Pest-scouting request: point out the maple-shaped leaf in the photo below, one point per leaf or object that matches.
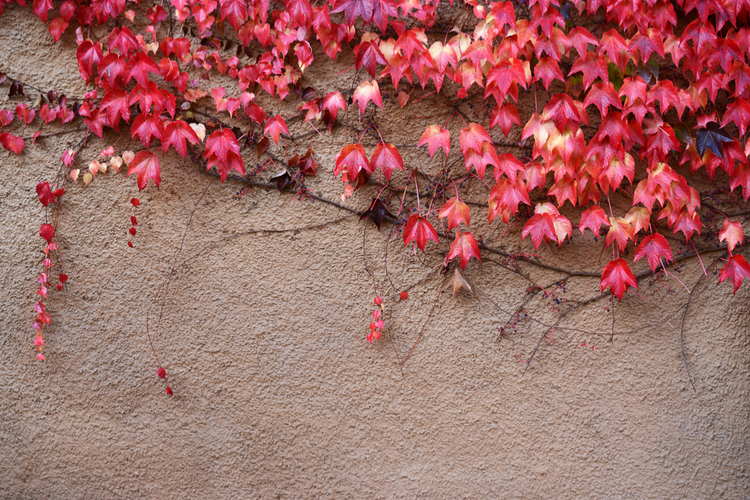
(457, 281)
(146, 127)
(366, 92)
(504, 117)
(540, 227)
(11, 142)
(436, 137)
(368, 54)
(593, 219)
(602, 95)
(387, 157)
(738, 112)
(443, 56)
(736, 269)
(223, 150)
(473, 137)
(123, 40)
(88, 54)
(332, 103)
(146, 166)
(177, 133)
(579, 37)
(621, 231)
(654, 247)
(592, 66)
(46, 195)
(546, 70)
(562, 109)
(618, 277)
(57, 27)
(116, 104)
(138, 68)
(732, 233)
(712, 138)
(456, 211)
(419, 230)
(377, 212)
(505, 197)
(464, 247)
(274, 127)
(352, 159)
(235, 10)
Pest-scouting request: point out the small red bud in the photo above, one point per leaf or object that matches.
(132, 231)
(63, 278)
(169, 391)
(161, 372)
(135, 202)
(59, 287)
(130, 244)
(404, 295)
(378, 301)
(133, 220)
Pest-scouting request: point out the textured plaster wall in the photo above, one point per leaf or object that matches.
(276, 392)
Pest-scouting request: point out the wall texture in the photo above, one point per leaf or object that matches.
(277, 394)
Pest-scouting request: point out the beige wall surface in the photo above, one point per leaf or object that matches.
(277, 393)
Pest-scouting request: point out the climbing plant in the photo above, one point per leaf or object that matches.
(639, 99)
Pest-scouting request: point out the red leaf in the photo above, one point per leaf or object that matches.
(387, 157)
(618, 277)
(161, 372)
(6, 117)
(235, 10)
(332, 103)
(11, 142)
(602, 95)
(731, 232)
(44, 193)
(366, 92)
(593, 219)
(473, 137)
(620, 230)
(146, 166)
(140, 66)
(353, 159)
(41, 7)
(435, 137)
(223, 150)
(57, 27)
(456, 211)
(123, 40)
(504, 117)
(146, 127)
(368, 54)
(274, 127)
(177, 133)
(736, 269)
(47, 232)
(464, 247)
(420, 230)
(88, 54)
(546, 70)
(654, 247)
(540, 227)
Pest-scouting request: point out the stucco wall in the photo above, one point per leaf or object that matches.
(277, 394)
